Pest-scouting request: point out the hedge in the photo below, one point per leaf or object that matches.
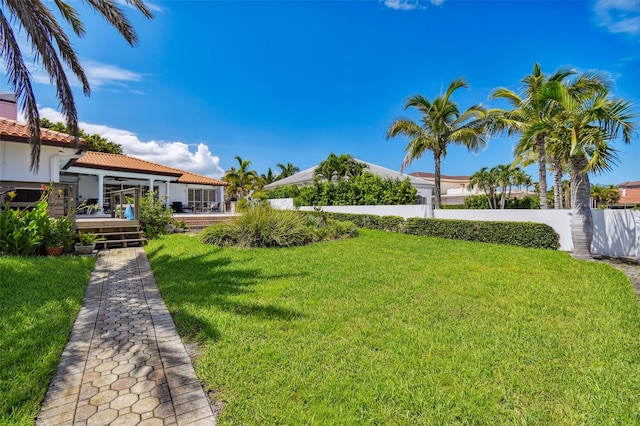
(521, 234)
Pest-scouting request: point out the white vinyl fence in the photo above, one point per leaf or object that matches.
(615, 232)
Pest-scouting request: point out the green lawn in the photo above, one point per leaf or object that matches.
(39, 300)
(398, 329)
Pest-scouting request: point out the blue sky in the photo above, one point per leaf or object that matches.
(292, 81)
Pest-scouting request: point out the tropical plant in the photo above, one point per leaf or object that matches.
(266, 179)
(54, 52)
(336, 167)
(88, 238)
(604, 195)
(58, 232)
(241, 180)
(593, 119)
(498, 182)
(529, 109)
(286, 170)
(262, 226)
(441, 124)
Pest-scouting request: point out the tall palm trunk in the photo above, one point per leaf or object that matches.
(438, 198)
(542, 172)
(557, 184)
(581, 220)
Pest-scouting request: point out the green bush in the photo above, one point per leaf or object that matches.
(154, 215)
(263, 226)
(22, 231)
(370, 221)
(522, 234)
(284, 191)
(476, 202)
(360, 190)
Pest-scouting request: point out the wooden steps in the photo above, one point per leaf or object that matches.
(116, 232)
(198, 222)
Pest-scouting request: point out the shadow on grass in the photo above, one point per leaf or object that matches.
(211, 280)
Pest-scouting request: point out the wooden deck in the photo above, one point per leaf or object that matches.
(116, 232)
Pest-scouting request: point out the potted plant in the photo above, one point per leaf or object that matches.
(58, 234)
(181, 226)
(86, 242)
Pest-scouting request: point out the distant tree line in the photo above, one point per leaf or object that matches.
(95, 141)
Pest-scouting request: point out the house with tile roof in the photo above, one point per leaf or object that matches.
(629, 193)
(80, 174)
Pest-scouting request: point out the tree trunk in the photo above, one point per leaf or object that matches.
(542, 172)
(581, 221)
(557, 184)
(438, 198)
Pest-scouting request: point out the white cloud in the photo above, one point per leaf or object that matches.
(103, 74)
(409, 4)
(618, 16)
(173, 154)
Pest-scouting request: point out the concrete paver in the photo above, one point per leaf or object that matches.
(124, 363)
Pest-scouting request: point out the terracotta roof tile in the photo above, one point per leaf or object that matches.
(629, 196)
(188, 177)
(102, 160)
(105, 161)
(15, 131)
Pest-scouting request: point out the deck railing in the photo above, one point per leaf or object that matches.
(118, 202)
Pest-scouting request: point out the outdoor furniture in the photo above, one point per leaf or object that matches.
(177, 207)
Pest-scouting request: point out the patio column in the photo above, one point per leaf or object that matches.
(221, 196)
(167, 193)
(151, 185)
(101, 193)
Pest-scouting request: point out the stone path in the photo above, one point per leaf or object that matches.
(124, 363)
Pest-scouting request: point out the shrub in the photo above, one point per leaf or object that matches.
(359, 190)
(263, 226)
(481, 202)
(284, 191)
(370, 221)
(522, 234)
(154, 215)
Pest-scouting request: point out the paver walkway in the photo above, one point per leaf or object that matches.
(124, 363)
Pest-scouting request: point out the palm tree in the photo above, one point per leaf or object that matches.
(266, 179)
(335, 167)
(441, 124)
(530, 108)
(241, 180)
(286, 170)
(592, 119)
(53, 50)
(485, 180)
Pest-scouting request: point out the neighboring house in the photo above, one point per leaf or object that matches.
(453, 189)
(629, 192)
(79, 175)
(306, 177)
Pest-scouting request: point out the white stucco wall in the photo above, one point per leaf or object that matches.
(414, 210)
(615, 233)
(15, 157)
